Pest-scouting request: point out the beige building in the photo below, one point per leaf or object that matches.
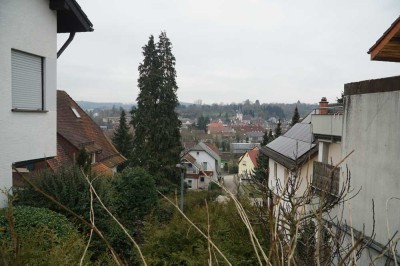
(247, 163)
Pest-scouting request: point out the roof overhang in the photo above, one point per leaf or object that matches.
(70, 17)
(387, 47)
(286, 161)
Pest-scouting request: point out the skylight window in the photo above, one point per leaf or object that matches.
(75, 112)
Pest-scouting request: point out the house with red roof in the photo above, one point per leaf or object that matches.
(77, 131)
(247, 163)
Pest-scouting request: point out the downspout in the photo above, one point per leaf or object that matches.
(69, 40)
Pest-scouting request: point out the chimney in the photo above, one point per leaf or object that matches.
(323, 106)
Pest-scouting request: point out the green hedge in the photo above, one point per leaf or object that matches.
(27, 218)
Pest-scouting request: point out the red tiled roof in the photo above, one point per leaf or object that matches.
(248, 128)
(83, 132)
(215, 127)
(253, 154)
(101, 170)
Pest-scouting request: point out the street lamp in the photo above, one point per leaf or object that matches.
(183, 169)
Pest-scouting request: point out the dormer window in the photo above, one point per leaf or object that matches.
(75, 112)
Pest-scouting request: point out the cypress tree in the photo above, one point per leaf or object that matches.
(122, 139)
(266, 139)
(156, 144)
(270, 135)
(168, 123)
(278, 129)
(260, 172)
(296, 117)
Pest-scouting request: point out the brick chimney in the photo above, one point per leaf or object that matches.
(323, 106)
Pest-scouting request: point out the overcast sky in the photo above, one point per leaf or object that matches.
(230, 50)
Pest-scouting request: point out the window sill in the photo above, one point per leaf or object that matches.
(28, 110)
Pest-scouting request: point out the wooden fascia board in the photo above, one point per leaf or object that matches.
(374, 51)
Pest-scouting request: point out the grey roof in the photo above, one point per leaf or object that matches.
(201, 146)
(300, 131)
(292, 146)
(243, 147)
(307, 119)
(255, 134)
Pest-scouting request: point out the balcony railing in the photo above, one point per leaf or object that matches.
(329, 125)
(325, 179)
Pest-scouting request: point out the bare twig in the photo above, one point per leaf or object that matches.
(91, 214)
(116, 220)
(208, 235)
(115, 256)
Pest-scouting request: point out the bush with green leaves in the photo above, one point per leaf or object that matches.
(176, 242)
(26, 218)
(38, 236)
(67, 185)
(135, 195)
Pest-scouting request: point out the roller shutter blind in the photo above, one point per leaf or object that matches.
(27, 81)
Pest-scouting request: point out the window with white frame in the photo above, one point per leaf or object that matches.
(26, 81)
(204, 166)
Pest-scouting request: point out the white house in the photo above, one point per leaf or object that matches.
(292, 154)
(247, 163)
(202, 164)
(28, 78)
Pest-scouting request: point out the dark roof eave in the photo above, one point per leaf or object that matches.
(286, 161)
(70, 17)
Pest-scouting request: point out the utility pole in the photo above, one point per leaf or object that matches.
(182, 169)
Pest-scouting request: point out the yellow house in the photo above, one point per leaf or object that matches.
(247, 163)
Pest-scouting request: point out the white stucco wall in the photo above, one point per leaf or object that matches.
(201, 157)
(329, 152)
(246, 166)
(305, 172)
(371, 129)
(29, 26)
(197, 183)
(334, 153)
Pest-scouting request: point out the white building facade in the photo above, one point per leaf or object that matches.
(28, 82)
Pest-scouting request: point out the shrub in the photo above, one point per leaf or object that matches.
(135, 194)
(26, 218)
(68, 186)
(40, 237)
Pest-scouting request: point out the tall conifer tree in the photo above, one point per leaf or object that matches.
(260, 172)
(157, 137)
(270, 135)
(278, 129)
(122, 138)
(296, 117)
(266, 139)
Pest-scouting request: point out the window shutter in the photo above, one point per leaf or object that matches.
(27, 82)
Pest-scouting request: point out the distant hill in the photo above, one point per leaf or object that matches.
(188, 110)
(86, 105)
